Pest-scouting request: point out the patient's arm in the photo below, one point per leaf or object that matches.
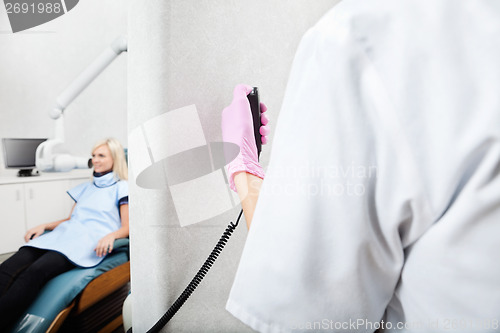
(40, 229)
(248, 187)
(105, 244)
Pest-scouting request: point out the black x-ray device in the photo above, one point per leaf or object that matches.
(253, 99)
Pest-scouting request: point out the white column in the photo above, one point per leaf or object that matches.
(194, 52)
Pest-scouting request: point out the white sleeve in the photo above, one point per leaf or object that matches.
(325, 246)
(122, 191)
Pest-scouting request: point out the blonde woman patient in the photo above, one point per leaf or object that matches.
(98, 217)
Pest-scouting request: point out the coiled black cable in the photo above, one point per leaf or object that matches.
(198, 277)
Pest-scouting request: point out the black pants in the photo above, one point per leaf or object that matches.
(22, 276)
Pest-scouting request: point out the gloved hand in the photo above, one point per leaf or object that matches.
(237, 127)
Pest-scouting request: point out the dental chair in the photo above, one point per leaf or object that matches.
(82, 299)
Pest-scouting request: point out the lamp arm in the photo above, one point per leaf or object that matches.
(46, 159)
(118, 46)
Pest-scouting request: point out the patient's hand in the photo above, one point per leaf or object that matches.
(105, 245)
(34, 232)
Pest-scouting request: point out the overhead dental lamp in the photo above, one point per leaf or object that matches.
(47, 159)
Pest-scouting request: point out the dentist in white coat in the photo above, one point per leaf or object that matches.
(381, 202)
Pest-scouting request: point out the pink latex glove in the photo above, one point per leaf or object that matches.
(237, 127)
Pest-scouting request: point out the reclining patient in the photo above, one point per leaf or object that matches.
(99, 216)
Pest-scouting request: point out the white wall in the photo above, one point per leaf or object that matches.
(37, 65)
(195, 52)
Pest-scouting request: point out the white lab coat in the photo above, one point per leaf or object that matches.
(382, 195)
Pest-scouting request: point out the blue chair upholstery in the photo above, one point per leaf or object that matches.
(60, 292)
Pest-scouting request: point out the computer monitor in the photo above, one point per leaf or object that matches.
(20, 154)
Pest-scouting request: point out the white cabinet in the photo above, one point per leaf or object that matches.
(12, 217)
(47, 202)
(26, 203)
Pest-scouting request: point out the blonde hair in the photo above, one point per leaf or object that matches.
(120, 168)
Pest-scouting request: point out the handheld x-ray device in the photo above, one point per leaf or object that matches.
(253, 99)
